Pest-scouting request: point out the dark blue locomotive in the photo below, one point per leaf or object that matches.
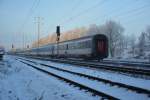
(1, 52)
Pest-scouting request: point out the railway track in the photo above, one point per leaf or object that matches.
(104, 81)
(71, 82)
(129, 63)
(119, 62)
(138, 72)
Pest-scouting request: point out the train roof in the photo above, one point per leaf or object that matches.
(84, 37)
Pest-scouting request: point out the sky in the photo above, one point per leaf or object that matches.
(18, 18)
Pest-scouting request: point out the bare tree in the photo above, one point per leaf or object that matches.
(132, 43)
(114, 32)
(148, 32)
(120, 46)
(141, 44)
(148, 40)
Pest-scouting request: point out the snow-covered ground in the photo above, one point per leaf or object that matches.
(138, 82)
(20, 82)
(120, 93)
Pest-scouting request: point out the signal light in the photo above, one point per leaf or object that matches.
(58, 30)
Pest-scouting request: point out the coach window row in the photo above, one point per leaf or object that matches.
(62, 47)
(80, 45)
(76, 45)
(85, 44)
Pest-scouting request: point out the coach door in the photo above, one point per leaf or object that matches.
(66, 49)
(101, 47)
(52, 49)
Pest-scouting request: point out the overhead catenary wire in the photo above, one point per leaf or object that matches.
(83, 12)
(114, 10)
(133, 10)
(122, 14)
(137, 13)
(79, 14)
(62, 24)
(73, 8)
(76, 5)
(87, 10)
(30, 12)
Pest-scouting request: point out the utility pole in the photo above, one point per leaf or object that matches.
(38, 21)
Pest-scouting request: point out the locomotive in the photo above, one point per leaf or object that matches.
(89, 47)
(1, 52)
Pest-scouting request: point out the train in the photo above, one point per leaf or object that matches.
(88, 47)
(2, 51)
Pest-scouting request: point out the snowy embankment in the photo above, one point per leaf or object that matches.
(21, 82)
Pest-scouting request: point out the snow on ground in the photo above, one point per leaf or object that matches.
(120, 93)
(21, 82)
(138, 82)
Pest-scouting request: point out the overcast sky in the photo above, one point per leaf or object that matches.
(18, 17)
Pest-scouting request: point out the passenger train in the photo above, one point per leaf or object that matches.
(1, 52)
(89, 47)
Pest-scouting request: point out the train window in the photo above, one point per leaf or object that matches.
(67, 46)
(88, 44)
(76, 45)
(60, 47)
(63, 46)
(71, 46)
(84, 44)
(79, 45)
